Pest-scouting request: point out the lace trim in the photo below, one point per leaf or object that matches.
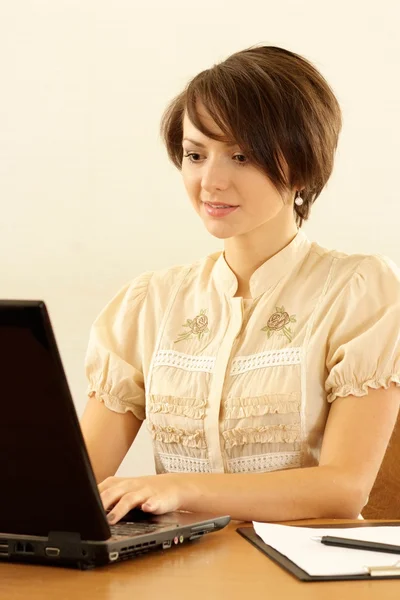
(262, 463)
(172, 435)
(261, 435)
(271, 358)
(187, 362)
(238, 408)
(184, 464)
(185, 407)
(348, 389)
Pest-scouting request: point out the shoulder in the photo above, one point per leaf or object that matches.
(348, 270)
(148, 294)
(161, 283)
(164, 280)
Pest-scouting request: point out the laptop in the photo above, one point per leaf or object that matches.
(50, 507)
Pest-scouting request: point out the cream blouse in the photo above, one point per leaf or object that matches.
(233, 385)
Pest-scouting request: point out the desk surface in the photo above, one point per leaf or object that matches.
(222, 566)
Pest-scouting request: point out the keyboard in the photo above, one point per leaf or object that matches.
(132, 529)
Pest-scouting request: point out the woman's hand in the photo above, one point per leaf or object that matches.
(157, 494)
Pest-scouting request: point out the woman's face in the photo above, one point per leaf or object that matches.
(232, 196)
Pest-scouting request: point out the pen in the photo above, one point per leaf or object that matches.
(357, 544)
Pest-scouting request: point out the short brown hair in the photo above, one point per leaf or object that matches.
(271, 102)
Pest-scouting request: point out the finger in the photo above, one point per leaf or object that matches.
(159, 504)
(125, 504)
(112, 495)
(109, 482)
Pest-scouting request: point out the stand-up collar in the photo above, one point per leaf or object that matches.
(269, 273)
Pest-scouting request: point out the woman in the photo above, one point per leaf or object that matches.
(269, 374)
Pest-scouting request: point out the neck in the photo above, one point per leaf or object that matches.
(246, 253)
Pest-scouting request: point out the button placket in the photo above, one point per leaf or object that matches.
(211, 424)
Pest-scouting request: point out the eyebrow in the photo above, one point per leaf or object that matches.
(200, 145)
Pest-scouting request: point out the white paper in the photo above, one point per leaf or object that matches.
(297, 545)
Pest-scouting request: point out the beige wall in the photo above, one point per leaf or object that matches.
(88, 198)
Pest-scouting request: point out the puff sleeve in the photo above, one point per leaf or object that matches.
(113, 361)
(364, 341)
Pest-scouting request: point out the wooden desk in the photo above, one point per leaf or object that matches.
(220, 566)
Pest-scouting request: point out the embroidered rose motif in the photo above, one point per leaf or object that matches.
(197, 327)
(199, 324)
(278, 323)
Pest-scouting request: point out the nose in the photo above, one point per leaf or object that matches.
(215, 177)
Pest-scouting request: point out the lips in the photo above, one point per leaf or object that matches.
(220, 204)
(218, 210)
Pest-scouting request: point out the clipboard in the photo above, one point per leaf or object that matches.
(374, 573)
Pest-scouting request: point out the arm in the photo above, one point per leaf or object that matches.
(356, 436)
(98, 424)
(355, 440)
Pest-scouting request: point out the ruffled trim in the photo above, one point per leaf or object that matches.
(193, 408)
(350, 390)
(261, 435)
(117, 404)
(238, 408)
(171, 435)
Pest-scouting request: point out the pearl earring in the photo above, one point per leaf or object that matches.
(299, 200)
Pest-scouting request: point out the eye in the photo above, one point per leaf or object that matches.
(192, 156)
(241, 159)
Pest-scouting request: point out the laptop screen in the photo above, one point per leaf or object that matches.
(46, 480)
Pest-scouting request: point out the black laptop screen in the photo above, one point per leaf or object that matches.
(46, 479)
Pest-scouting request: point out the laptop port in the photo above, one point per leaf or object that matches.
(196, 536)
(167, 544)
(203, 528)
(22, 548)
(113, 555)
(53, 552)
